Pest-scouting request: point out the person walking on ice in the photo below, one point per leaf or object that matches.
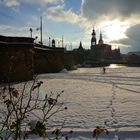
(104, 70)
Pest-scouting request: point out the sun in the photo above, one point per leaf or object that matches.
(114, 30)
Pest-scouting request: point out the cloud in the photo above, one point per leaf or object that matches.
(11, 3)
(4, 28)
(44, 2)
(133, 37)
(97, 10)
(16, 3)
(132, 41)
(128, 45)
(134, 32)
(57, 13)
(82, 1)
(9, 30)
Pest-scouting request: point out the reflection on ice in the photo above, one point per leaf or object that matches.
(115, 66)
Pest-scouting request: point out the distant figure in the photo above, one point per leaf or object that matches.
(104, 70)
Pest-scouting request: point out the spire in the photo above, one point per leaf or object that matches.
(101, 39)
(80, 46)
(93, 39)
(93, 32)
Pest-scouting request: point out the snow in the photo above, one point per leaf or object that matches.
(110, 100)
(64, 71)
(94, 98)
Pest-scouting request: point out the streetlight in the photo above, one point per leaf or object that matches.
(31, 30)
(49, 41)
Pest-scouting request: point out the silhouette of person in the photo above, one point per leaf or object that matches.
(104, 70)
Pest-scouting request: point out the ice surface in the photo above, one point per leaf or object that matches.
(110, 100)
(94, 98)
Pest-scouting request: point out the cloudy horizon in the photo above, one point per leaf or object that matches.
(119, 21)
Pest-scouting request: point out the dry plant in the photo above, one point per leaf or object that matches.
(98, 131)
(23, 113)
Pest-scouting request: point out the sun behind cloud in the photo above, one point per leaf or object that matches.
(114, 30)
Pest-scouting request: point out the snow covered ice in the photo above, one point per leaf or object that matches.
(110, 100)
(94, 98)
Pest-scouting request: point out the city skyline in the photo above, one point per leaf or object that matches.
(118, 21)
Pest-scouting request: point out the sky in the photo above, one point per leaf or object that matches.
(117, 20)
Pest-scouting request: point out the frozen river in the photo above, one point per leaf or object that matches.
(110, 100)
(94, 99)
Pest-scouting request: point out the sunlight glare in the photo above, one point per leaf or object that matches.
(114, 30)
(114, 66)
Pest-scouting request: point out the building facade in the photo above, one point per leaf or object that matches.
(98, 53)
(101, 51)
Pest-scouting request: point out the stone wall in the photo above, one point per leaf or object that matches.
(16, 61)
(50, 61)
(20, 59)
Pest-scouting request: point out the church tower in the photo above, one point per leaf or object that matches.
(101, 39)
(93, 39)
(80, 46)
